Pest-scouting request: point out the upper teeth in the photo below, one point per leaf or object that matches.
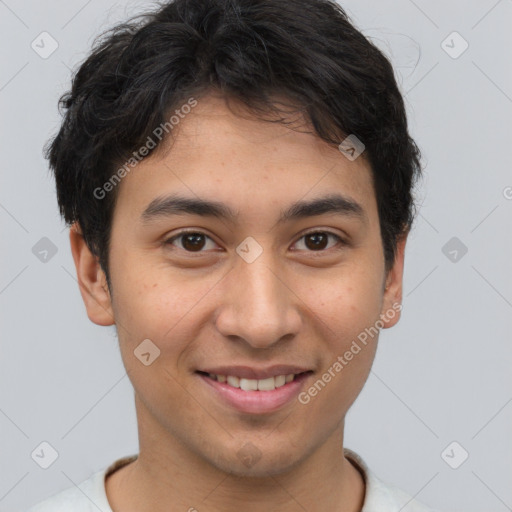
(254, 384)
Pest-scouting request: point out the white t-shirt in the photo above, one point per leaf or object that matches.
(91, 495)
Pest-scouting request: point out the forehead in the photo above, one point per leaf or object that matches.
(224, 154)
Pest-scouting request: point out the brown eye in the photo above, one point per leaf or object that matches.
(318, 240)
(191, 241)
(196, 241)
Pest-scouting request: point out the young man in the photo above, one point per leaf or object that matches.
(238, 175)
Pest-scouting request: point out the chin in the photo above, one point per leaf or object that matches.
(252, 460)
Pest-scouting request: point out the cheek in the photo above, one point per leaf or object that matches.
(346, 304)
(160, 305)
(347, 309)
(151, 305)
(349, 338)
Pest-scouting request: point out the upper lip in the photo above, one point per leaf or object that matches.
(247, 372)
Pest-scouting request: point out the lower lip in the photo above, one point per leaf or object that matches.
(257, 402)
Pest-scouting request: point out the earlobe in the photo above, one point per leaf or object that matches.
(91, 280)
(392, 298)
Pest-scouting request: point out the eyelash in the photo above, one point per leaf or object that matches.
(170, 240)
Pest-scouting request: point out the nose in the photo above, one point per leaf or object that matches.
(257, 303)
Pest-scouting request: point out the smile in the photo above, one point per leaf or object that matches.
(268, 384)
(254, 396)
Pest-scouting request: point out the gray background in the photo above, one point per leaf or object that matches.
(441, 375)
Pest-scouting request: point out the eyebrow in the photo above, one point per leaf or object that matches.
(173, 204)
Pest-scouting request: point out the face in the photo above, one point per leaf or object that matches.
(270, 291)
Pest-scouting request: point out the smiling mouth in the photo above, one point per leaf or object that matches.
(249, 385)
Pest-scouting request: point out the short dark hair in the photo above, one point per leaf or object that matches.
(254, 51)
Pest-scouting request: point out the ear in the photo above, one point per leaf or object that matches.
(392, 298)
(91, 279)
